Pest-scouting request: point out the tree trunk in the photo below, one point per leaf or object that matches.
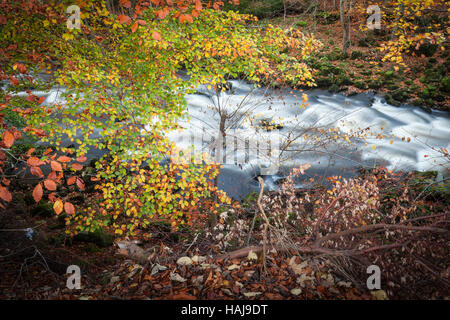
(345, 31)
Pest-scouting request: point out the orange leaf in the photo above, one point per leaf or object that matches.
(41, 99)
(36, 171)
(56, 166)
(64, 159)
(80, 184)
(77, 166)
(8, 138)
(71, 180)
(81, 159)
(134, 27)
(37, 192)
(14, 81)
(123, 18)
(50, 185)
(34, 162)
(5, 194)
(156, 35)
(142, 22)
(69, 208)
(58, 206)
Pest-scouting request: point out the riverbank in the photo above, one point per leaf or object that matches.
(425, 82)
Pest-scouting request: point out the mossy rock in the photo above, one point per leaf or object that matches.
(389, 74)
(390, 100)
(427, 49)
(356, 54)
(333, 88)
(43, 209)
(100, 238)
(324, 82)
(343, 80)
(360, 84)
(445, 85)
(375, 84)
(400, 95)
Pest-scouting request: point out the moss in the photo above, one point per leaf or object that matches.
(356, 54)
(445, 85)
(389, 74)
(43, 209)
(100, 238)
(360, 84)
(333, 88)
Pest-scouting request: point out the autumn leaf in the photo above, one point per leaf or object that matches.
(8, 138)
(41, 99)
(56, 166)
(50, 185)
(156, 35)
(134, 27)
(58, 206)
(64, 159)
(36, 171)
(69, 208)
(71, 180)
(123, 18)
(34, 162)
(5, 194)
(14, 81)
(77, 166)
(37, 192)
(81, 159)
(80, 184)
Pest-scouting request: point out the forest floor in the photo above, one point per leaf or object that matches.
(184, 265)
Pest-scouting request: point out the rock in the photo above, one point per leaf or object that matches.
(157, 268)
(296, 291)
(198, 259)
(177, 277)
(380, 295)
(184, 261)
(252, 256)
(252, 294)
(233, 267)
(114, 280)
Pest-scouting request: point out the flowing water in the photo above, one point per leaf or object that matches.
(384, 132)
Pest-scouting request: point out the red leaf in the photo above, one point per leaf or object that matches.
(8, 138)
(134, 27)
(37, 192)
(34, 162)
(50, 185)
(81, 159)
(156, 35)
(71, 180)
(64, 159)
(77, 166)
(36, 171)
(123, 18)
(69, 208)
(5, 194)
(142, 22)
(2, 20)
(41, 99)
(80, 184)
(14, 81)
(56, 166)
